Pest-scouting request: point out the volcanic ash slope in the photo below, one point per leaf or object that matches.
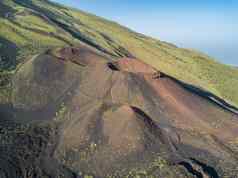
(75, 112)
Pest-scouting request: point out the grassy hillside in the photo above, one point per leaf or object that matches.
(31, 26)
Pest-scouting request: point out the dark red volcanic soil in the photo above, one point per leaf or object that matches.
(110, 118)
(134, 66)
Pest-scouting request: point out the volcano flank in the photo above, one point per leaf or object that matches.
(77, 113)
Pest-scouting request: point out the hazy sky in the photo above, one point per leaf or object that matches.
(210, 26)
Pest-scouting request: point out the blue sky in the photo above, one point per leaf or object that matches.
(210, 26)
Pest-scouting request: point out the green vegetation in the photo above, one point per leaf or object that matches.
(159, 167)
(32, 26)
(87, 176)
(62, 110)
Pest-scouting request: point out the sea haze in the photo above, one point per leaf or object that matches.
(223, 51)
(227, 53)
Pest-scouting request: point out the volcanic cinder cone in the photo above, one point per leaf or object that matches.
(85, 114)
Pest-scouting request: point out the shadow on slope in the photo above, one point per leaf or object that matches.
(207, 95)
(8, 54)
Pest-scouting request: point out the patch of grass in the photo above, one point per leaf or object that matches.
(34, 22)
(159, 167)
(87, 176)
